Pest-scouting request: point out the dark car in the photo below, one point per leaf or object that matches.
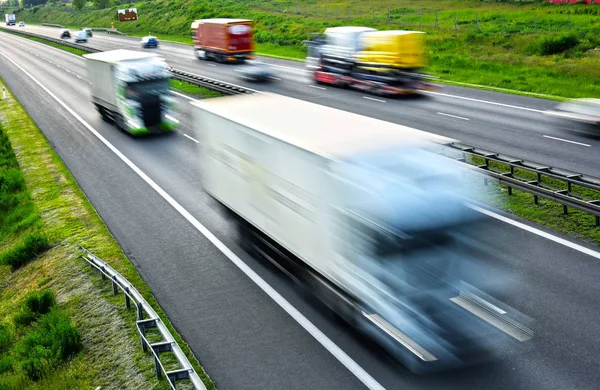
(149, 41)
(65, 34)
(256, 71)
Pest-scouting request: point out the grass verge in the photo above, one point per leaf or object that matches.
(112, 356)
(546, 213)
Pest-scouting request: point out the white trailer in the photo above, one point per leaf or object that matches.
(346, 199)
(131, 89)
(10, 19)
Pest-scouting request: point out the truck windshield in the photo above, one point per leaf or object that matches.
(151, 87)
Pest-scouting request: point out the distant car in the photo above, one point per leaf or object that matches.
(581, 115)
(88, 31)
(256, 71)
(21, 24)
(149, 41)
(65, 34)
(81, 36)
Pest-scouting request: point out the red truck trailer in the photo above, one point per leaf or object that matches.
(223, 40)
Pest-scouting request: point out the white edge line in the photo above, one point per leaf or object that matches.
(336, 351)
(183, 96)
(484, 101)
(538, 232)
(377, 100)
(51, 47)
(187, 136)
(566, 140)
(453, 116)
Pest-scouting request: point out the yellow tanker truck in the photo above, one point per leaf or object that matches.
(381, 62)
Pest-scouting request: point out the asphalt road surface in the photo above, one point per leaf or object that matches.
(234, 310)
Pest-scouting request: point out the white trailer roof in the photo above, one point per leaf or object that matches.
(320, 129)
(115, 56)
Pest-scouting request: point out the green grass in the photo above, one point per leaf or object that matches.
(502, 51)
(193, 90)
(547, 213)
(112, 356)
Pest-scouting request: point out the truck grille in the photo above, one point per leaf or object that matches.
(151, 112)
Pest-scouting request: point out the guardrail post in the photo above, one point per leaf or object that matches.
(597, 221)
(115, 286)
(565, 210)
(102, 269)
(157, 365)
(140, 311)
(127, 299)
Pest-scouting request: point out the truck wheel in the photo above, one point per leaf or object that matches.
(104, 115)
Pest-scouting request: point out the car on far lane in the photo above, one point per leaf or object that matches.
(88, 31)
(256, 71)
(149, 41)
(65, 34)
(580, 115)
(21, 24)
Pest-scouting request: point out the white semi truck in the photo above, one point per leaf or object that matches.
(131, 89)
(10, 19)
(363, 212)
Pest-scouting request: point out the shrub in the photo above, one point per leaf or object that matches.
(40, 303)
(54, 340)
(24, 318)
(6, 338)
(33, 244)
(556, 45)
(6, 364)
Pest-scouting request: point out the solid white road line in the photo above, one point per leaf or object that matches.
(566, 140)
(316, 86)
(336, 351)
(484, 101)
(187, 136)
(376, 100)
(538, 232)
(183, 96)
(453, 116)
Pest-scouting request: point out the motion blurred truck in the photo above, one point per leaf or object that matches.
(380, 62)
(131, 89)
(363, 212)
(223, 40)
(10, 19)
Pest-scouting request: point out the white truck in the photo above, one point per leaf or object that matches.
(132, 90)
(10, 19)
(362, 211)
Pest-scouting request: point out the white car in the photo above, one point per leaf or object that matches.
(582, 115)
(81, 36)
(21, 24)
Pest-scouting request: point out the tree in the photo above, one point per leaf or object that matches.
(100, 3)
(78, 4)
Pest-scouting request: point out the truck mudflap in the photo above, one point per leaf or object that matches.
(410, 88)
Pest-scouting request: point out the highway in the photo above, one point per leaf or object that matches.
(246, 323)
(508, 124)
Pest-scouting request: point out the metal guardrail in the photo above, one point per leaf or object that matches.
(536, 186)
(148, 319)
(52, 25)
(567, 198)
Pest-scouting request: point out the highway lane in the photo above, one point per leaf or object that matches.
(237, 333)
(509, 124)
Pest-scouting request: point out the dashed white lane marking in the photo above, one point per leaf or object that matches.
(316, 86)
(375, 100)
(211, 64)
(195, 140)
(566, 140)
(453, 116)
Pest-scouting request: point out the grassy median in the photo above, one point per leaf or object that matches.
(43, 216)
